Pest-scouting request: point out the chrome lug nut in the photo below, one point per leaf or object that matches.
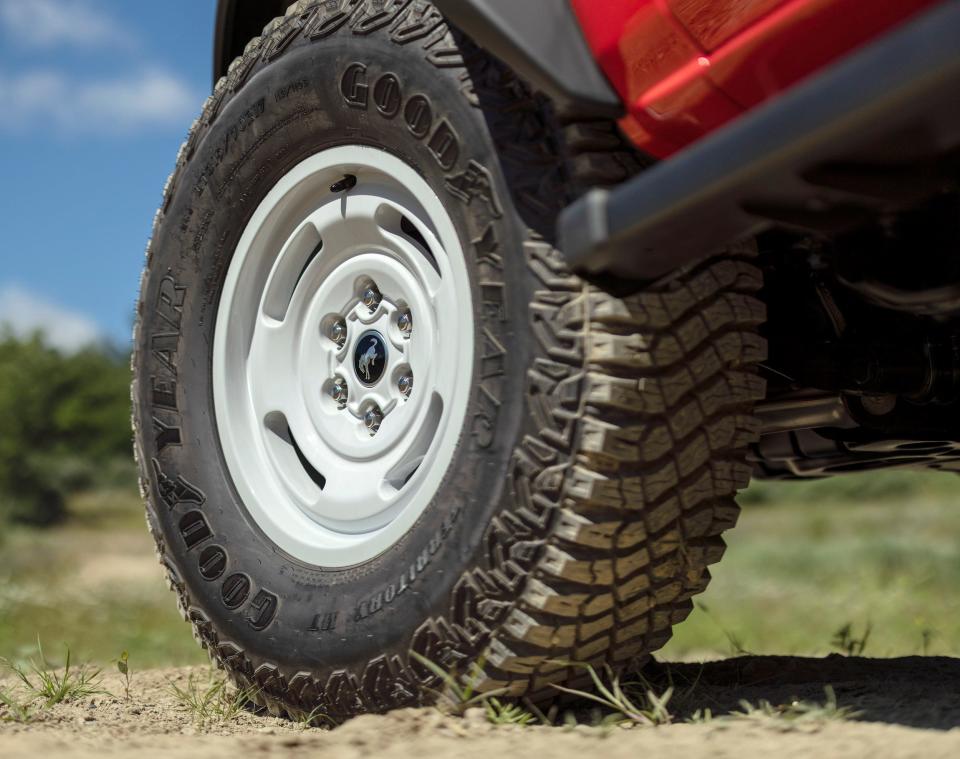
(372, 419)
(338, 391)
(405, 384)
(405, 323)
(371, 297)
(338, 333)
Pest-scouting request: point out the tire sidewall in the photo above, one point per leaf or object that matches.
(272, 606)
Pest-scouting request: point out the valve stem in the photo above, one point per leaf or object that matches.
(348, 182)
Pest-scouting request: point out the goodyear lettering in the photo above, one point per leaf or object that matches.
(387, 95)
(213, 562)
(174, 490)
(353, 85)
(418, 116)
(235, 590)
(194, 529)
(262, 609)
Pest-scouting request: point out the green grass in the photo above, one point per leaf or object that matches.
(824, 566)
(796, 714)
(812, 568)
(212, 702)
(12, 709)
(635, 703)
(53, 684)
(93, 581)
(457, 692)
(506, 713)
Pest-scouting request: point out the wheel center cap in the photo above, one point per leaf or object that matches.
(370, 357)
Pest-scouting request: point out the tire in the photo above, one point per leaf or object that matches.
(602, 441)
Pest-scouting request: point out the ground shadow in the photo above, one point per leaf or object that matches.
(915, 691)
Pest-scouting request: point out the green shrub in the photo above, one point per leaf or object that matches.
(64, 425)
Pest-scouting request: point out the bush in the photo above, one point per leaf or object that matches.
(64, 425)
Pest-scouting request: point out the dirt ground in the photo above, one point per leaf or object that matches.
(910, 707)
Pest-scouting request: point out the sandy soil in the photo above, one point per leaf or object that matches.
(909, 707)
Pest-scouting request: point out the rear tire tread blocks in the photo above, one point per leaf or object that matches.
(660, 442)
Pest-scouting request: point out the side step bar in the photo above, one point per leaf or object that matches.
(870, 133)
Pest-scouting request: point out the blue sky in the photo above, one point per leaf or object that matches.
(95, 99)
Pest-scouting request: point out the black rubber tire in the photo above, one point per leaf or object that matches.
(605, 439)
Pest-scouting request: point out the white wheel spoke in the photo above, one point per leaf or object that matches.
(356, 495)
(349, 223)
(272, 367)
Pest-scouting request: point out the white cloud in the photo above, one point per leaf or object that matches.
(45, 23)
(38, 99)
(25, 313)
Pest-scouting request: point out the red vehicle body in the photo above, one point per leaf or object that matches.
(683, 68)
(680, 69)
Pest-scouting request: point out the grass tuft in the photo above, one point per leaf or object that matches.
(797, 713)
(316, 717)
(734, 641)
(458, 693)
(15, 711)
(636, 703)
(53, 686)
(505, 713)
(212, 703)
(123, 667)
(844, 640)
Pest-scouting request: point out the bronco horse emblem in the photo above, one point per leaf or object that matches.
(368, 359)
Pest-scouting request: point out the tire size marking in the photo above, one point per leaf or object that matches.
(326, 621)
(293, 88)
(232, 134)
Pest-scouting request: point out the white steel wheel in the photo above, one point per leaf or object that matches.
(342, 355)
